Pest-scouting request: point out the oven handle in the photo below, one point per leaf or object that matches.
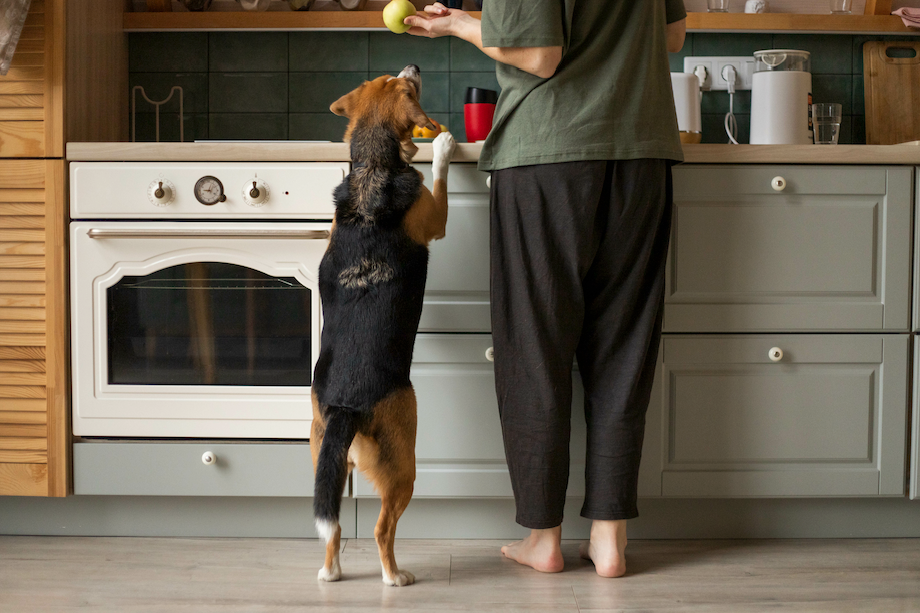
(199, 233)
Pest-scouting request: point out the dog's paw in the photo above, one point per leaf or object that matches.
(444, 145)
(330, 574)
(401, 579)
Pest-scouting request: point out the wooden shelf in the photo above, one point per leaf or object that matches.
(361, 20)
(797, 22)
(269, 20)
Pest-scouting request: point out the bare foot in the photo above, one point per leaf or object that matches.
(541, 550)
(607, 548)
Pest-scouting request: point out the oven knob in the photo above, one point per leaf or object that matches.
(161, 192)
(255, 193)
(209, 458)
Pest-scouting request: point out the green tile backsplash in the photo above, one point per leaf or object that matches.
(279, 85)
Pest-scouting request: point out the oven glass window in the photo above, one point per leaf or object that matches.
(209, 323)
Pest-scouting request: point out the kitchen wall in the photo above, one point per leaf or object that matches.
(278, 85)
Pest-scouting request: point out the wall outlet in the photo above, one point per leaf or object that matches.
(744, 67)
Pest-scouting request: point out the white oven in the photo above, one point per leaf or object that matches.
(194, 297)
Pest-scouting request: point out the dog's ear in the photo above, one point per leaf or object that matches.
(344, 105)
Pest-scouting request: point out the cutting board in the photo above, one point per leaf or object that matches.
(892, 92)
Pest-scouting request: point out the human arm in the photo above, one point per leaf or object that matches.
(438, 20)
(677, 33)
(676, 18)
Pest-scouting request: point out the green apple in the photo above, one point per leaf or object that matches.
(395, 12)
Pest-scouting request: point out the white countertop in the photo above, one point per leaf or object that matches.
(338, 152)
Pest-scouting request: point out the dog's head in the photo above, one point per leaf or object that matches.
(388, 105)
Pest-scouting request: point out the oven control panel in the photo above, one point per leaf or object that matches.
(204, 190)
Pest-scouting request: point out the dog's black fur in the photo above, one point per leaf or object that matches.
(370, 317)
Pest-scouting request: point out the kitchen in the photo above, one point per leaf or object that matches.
(276, 85)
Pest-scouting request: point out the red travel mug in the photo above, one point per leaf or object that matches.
(478, 112)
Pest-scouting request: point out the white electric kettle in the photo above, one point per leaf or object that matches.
(781, 98)
(687, 95)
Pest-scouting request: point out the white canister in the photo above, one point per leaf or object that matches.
(687, 93)
(781, 98)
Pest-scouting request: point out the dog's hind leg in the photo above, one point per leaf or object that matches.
(387, 459)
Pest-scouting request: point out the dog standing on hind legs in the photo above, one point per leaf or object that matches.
(372, 282)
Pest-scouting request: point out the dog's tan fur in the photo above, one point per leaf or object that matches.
(386, 456)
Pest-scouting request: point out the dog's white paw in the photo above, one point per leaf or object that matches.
(330, 574)
(401, 578)
(444, 146)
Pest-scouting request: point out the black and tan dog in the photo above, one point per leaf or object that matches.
(371, 282)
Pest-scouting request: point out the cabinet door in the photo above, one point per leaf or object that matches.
(34, 419)
(30, 93)
(459, 449)
(828, 418)
(827, 250)
(178, 469)
(457, 292)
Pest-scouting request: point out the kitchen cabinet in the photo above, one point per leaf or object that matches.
(826, 417)
(771, 248)
(34, 391)
(914, 460)
(459, 449)
(179, 469)
(34, 421)
(457, 291)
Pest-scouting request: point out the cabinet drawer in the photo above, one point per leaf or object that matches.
(828, 418)
(829, 252)
(176, 469)
(459, 449)
(914, 462)
(457, 291)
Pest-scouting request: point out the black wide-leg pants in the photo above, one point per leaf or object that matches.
(578, 253)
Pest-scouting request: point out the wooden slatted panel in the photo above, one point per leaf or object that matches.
(22, 314)
(22, 378)
(22, 327)
(22, 274)
(22, 443)
(24, 89)
(21, 209)
(15, 301)
(17, 194)
(18, 456)
(36, 236)
(24, 430)
(20, 391)
(22, 287)
(22, 353)
(22, 340)
(21, 221)
(22, 366)
(22, 249)
(22, 404)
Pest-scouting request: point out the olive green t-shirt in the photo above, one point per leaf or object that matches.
(610, 98)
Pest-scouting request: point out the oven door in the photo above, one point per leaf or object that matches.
(187, 329)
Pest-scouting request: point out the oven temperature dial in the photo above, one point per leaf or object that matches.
(255, 192)
(161, 192)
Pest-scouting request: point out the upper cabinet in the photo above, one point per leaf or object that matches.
(31, 104)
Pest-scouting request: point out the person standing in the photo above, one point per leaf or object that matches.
(580, 154)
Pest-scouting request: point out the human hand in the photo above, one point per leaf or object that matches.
(437, 20)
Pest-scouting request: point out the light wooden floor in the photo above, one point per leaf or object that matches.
(255, 575)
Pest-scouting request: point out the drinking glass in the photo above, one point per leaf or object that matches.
(841, 7)
(826, 119)
(717, 6)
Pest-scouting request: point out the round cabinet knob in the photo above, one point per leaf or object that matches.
(209, 458)
(776, 354)
(490, 354)
(161, 192)
(255, 193)
(778, 183)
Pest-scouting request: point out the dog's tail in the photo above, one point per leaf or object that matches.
(332, 468)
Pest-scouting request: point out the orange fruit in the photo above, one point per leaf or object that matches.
(427, 133)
